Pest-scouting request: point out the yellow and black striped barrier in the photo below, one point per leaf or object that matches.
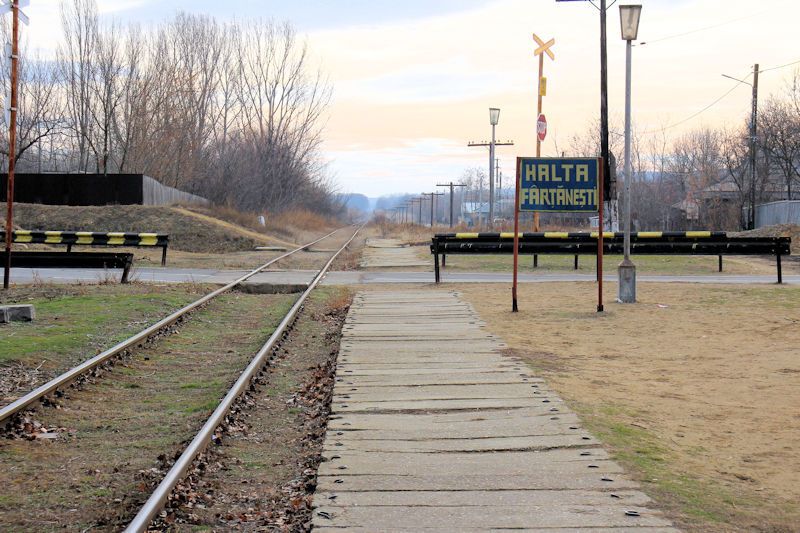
(717, 243)
(585, 234)
(89, 238)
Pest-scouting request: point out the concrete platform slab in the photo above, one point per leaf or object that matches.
(393, 482)
(447, 392)
(502, 517)
(449, 445)
(467, 529)
(437, 405)
(484, 498)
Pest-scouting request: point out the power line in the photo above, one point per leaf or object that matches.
(687, 119)
(779, 66)
(690, 32)
(715, 102)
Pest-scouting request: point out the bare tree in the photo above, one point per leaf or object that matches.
(779, 124)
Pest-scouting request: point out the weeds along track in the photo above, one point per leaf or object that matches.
(139, 339)
(118, 438)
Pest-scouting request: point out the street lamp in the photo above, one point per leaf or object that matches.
(494, 118)
(629, 24)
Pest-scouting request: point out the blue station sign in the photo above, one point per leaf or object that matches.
(558, 184)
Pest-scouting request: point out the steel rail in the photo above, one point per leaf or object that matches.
(156, 501)
(72, 374)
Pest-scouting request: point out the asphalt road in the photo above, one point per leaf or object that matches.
(199, 275)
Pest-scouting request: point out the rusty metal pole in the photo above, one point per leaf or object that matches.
(514, 307)
(538, 142)
(538, 146)
(12, 139)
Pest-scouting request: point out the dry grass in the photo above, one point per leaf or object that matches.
(288, 224)
(305, 220)
(695, 388)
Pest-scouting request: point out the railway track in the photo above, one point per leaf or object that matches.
(198, 443)
(138, 339)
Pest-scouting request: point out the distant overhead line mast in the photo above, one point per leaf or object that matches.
(452, 186)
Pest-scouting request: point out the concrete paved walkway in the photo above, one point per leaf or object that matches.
(353, 277)
(382, 253)
(434, 429)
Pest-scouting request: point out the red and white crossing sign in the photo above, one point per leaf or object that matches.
(541, 127)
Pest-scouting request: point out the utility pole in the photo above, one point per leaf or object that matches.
(11, 121)
(433, 196)
(751, 212)
(492, 144)
(499, 177)
(610, 188)
(412, 203)
(753, 140)
(452, 186)
(609, 185)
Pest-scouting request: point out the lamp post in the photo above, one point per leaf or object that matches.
(494, 118)
(629, 22)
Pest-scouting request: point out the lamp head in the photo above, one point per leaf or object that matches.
(629, 21)
(494, 116)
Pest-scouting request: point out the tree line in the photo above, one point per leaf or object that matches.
(704, 178)
(231, 111)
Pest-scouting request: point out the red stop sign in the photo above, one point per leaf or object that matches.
(541, 127)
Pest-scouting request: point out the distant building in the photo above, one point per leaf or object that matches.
(474, 213)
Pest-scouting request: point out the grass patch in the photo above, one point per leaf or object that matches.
(82, 324)
(644, 454)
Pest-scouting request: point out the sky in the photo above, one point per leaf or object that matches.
(413, 80)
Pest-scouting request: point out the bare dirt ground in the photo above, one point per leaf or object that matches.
(695, 388)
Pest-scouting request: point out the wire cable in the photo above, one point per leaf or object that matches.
(668, 37)
(779, 66)
(690, 117)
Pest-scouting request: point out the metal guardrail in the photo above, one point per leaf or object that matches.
(585, 243)
(72, 260)
(89, 238)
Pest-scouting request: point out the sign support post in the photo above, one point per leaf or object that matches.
(600, 235)
(565, 184)
(543, 48)
(514, 307)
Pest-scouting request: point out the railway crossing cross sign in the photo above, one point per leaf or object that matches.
(544, 47)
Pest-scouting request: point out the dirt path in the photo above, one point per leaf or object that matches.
(696, 387)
